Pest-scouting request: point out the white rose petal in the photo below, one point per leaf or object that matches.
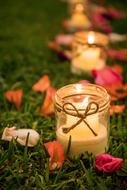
(21, 136)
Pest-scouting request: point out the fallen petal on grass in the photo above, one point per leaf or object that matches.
(56, 153)
(108, 163)
(42, 85)
(15, 97)
(117, 109)
(106, 76)
(47, 107)
(64, 39)
(21, 136)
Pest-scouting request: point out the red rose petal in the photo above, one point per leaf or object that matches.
(117, 108)
(56, 154)
(113, 90)
(48, 105)
(42, 84)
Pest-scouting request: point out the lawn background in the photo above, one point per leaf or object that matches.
(25, 28)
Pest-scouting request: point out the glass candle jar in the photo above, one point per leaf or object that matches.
(89, 51)
(79, 19)
(73, 3)
(82, 115)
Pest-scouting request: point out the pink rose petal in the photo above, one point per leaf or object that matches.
(108, 163)
(64, 39)
(115, 13)
(106, 76)
(99, 22)
(117, 54)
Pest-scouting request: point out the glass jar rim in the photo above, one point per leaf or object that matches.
(100, 38)
(88, 86)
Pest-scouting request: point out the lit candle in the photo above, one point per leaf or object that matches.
(88, 56)
(92, 120)
(81, 144)
(90, 134)
(79, 19)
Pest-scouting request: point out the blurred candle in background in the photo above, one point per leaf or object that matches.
(88, 52)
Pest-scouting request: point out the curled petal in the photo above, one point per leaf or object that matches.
(111, 80)
(56, 153)
(106, 76)
(117, 54)
(48, 106)
(117, 90)
(99, 18)
(42, 85)
(64, 39)
(115, 13)
(15, 97)
(117, 109)
(99, 22)
(21, 136)
(108, 163)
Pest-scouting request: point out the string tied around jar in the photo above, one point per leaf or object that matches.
(82, 117)
(86, 46)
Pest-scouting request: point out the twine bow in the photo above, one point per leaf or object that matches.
(82, 117)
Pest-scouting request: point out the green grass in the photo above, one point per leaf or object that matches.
(25, 29)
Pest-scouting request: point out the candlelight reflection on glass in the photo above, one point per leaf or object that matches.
(88, 51)
(82, 113)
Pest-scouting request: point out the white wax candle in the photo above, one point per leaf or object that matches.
(89, 59)
(82, 130)
(80, 144)
(82, 138)
(79, 19)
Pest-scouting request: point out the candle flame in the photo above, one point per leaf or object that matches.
(91, 38)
